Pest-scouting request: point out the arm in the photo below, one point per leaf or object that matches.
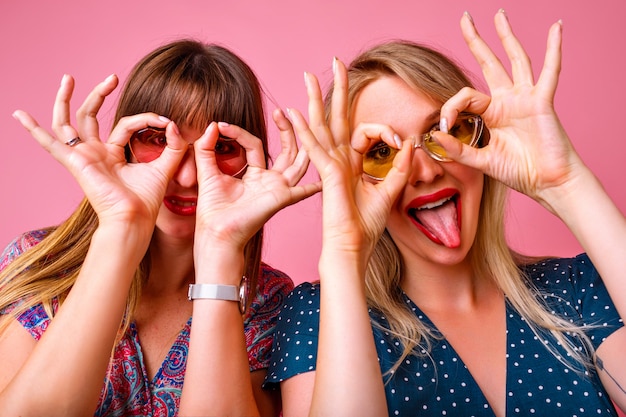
(348, 379)
(230, 210)
(81, 336)
(530, 152)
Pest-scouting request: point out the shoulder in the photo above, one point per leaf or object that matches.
(273, 286)
(272, 279)
(304, 297)
(560, 272)
(20, 245)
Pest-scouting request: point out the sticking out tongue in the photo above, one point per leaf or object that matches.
(441, 223)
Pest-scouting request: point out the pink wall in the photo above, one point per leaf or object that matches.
(281, 39)
(41, 40)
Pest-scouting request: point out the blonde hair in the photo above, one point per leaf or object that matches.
(439, 77)
(189, 82)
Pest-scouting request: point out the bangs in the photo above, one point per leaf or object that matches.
(194, 86)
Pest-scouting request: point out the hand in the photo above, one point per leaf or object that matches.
(355, 210)
(528, 149)
(116, 189)
(234, 209)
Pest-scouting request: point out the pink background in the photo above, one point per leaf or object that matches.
(280, 39)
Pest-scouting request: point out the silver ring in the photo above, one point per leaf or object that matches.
(74, 141)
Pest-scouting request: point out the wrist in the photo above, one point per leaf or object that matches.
(236, 293)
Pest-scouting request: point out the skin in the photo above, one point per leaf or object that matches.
(529, 151)
(128, 201)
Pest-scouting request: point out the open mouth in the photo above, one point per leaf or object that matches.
(181, 206)
(439, 220)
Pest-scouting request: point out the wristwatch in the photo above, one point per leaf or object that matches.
(221, 292)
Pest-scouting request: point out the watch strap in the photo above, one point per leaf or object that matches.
(213, 292)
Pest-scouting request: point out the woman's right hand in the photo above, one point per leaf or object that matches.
(355, 209)
(117, 190)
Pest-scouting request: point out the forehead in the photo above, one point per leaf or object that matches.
(391, 101)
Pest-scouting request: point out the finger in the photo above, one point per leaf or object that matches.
(366, 135)
(289, 146)
(126, 126)
(520, 63)
(255, 154)
(172, 155)
(204, 150)
(465, 100)
(61, 124)
(317, 118)
(339, 124)
(86, 115)
(45, 139)
(493, 71)
(314, 149)
(294, 172)
(460, 152)
(397, 177)
(549, 77)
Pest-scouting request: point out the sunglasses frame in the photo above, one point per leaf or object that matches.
(159, 130)
(420, 140)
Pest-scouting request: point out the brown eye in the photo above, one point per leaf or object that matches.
(150, 137)
(225, 147)
(380, 152)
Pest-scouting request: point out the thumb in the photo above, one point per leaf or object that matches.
(455, 150)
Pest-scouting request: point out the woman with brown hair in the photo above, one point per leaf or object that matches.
(422, 308)
(96, 312)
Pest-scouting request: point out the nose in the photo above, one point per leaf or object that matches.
(423, 167)
(186, 175)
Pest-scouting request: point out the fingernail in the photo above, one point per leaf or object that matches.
(110, 77)
(306, 79)
(334, 65)
(502, 11)
(288, 110)
(223, 124)
(469, 16)
(443, 125)
(164, 119)
(397, 140)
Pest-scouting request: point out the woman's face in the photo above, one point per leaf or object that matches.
(435, 217)
(177, 215)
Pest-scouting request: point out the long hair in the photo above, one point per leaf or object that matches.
(439, 77)
(189, 82)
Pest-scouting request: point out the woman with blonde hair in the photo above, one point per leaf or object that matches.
(97, 312)
(422, 309)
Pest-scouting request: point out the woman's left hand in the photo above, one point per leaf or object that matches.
(528, 149)
(233, 209)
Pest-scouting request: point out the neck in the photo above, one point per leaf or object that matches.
(171, 266)
(446, 288)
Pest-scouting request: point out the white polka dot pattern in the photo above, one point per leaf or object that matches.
(440, 384)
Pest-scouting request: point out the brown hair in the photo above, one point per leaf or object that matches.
(189, 82)
(439, 77)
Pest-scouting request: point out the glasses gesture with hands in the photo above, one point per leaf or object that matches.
(116, 190)
(355, 209)
(528, 148)
(236, 206)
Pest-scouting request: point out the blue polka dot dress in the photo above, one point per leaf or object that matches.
(440, 384)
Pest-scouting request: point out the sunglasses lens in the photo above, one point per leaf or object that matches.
(378, 160)
(467, 129)
(230, 156)
(147, 144)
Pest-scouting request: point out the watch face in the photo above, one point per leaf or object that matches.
(243, 294)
